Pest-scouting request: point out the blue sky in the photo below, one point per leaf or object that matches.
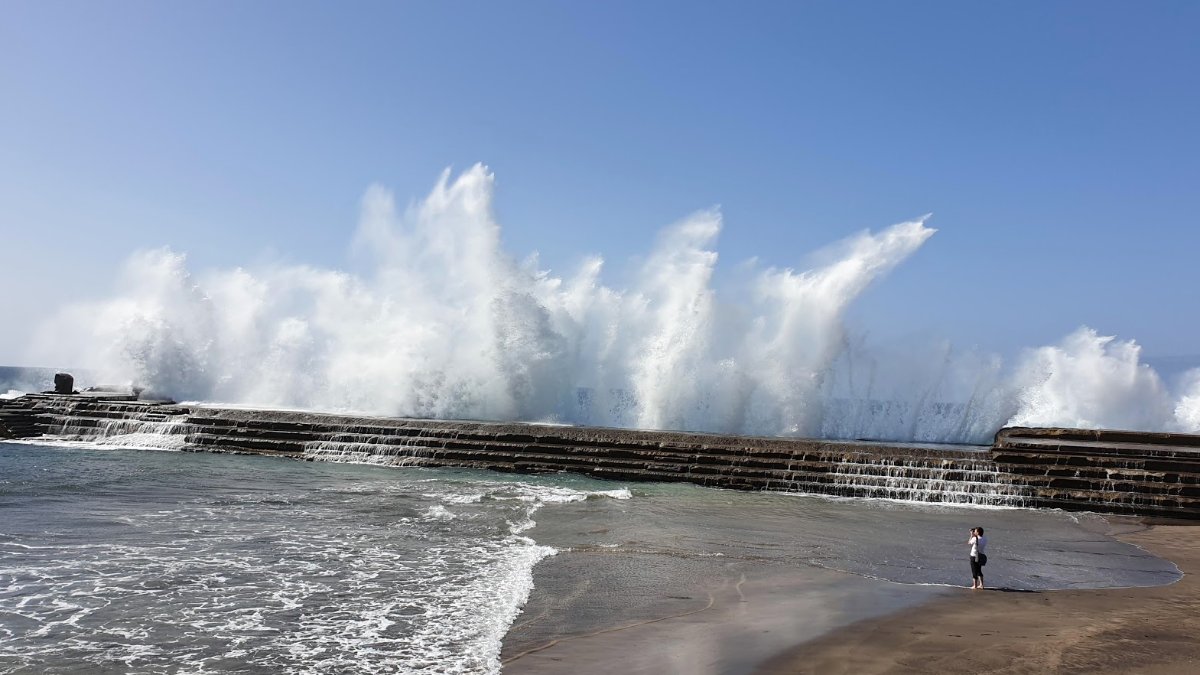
(1056, 144)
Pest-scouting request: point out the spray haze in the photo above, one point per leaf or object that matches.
(444, 323)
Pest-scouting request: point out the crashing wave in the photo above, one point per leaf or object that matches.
(446, 324)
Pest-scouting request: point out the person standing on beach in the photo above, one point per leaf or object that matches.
(978, 543)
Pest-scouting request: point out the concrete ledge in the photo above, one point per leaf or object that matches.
(1097, 470)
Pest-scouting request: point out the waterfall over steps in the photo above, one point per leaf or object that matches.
(1070, 469)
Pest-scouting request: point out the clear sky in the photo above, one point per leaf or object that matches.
(1055, 143)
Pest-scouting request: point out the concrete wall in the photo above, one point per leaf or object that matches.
(1113, 472)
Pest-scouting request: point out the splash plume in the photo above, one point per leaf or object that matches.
(444, 323)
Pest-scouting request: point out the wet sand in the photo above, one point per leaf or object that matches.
(1139, 630)
(598, 613)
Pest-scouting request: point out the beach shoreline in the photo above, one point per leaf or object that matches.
(598, 612)
(1143, 630)
(762, 619)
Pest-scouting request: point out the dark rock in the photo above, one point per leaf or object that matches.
(64, 383)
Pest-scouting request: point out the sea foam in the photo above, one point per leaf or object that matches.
(444, 323)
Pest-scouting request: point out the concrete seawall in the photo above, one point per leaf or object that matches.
(1104, 471)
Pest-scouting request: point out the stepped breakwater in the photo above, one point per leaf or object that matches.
(1118, 472)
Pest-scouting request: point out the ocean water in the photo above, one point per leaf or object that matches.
(126, 560)
(145, 561)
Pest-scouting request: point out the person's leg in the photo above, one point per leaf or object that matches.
(976, 574)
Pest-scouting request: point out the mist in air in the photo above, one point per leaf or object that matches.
(446, 324)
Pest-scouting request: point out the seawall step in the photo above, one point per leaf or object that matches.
(1109, 471)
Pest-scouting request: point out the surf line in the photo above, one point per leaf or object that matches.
(548, 645)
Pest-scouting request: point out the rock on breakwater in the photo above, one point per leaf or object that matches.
(1032, 468)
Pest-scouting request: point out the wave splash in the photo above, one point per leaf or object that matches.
(445, 324)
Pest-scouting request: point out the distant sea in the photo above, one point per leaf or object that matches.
(14, 380)
(141, 561)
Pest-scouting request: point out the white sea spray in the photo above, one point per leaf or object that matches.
(444, 323)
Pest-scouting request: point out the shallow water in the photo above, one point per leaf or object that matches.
(146, 561)
(905, 542)
(150, 561)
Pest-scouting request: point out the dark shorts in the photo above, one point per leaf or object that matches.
(976, 569)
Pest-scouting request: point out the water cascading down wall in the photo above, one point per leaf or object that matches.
(1105, 471)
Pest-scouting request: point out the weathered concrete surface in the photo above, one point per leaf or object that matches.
(1117, 471)
(18, 419)
(1114, 472)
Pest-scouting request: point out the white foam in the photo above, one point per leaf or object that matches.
(465, 595)
(1187, 410)
(549, 494)
(621, 493)
(98, 444)
(1088, 381)
(467, 498)
(443, 323)
(438, 512)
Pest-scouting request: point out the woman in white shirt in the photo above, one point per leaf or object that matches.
(978, 543)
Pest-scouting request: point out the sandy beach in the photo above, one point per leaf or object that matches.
(600, 613)
(714, 617)
(1139, 630)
